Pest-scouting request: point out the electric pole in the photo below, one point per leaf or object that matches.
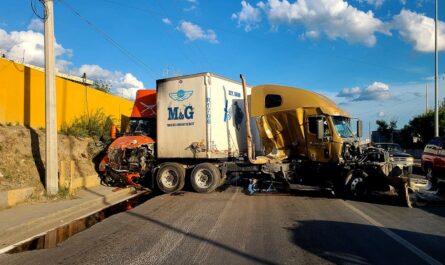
(436, 60)
(426, 98)
(51, 172)
(369, 126)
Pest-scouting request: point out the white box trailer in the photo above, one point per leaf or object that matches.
(201, 116)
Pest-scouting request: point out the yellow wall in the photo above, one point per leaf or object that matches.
(22, 98)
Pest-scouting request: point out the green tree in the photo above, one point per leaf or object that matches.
(104, 86)
(422, 127)
(386, 130)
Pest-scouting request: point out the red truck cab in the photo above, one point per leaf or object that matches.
(433, 159)
(124, 161)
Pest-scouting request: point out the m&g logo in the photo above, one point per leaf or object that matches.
(175, 113)
(181, 95)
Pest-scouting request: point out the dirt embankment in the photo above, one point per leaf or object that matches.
(22, 156)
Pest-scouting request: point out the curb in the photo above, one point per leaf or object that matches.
(13, 197)
(28, 230)
(86, 182)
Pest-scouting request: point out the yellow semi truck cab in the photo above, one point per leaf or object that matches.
(294, 122)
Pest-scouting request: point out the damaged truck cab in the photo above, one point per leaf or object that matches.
(300, 123)
(129, 158)
(313, 142)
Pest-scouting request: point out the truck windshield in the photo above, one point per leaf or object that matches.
(142, 126)
(342, 127)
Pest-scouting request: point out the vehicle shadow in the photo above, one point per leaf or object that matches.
(351, 243)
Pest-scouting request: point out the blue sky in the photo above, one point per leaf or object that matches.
(373, 57)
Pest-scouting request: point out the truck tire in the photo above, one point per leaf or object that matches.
(205, 178)
(170, 177)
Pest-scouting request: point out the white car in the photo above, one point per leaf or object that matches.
(398, 156)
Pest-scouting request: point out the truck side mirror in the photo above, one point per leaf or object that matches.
(320, 129)
(359, 128)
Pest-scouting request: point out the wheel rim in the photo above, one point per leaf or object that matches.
(357, 186)
(169, 179)
(203, 178)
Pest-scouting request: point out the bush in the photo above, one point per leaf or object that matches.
(96, 125)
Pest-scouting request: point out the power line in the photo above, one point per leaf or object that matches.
(160, 15)
(34, 9)
(108, 38)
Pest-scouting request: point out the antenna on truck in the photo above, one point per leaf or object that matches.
(250, 154)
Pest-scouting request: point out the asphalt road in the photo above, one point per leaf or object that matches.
(230, 227)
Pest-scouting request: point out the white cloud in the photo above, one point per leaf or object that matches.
(63, 66)
(122, 84)
(194, 32)
(418, 29)
(334, 18)
(377, 91)
(313, 34)
(249, 16)
(166, 21)
(381, 114)
(194, 5)
(350, 92)
(27, 46)
(376, 3)
(36, 25)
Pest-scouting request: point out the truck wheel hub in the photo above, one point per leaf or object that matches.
(204, 178)
(169, 178)
(357, 186)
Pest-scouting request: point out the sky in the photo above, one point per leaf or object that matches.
(373, 57)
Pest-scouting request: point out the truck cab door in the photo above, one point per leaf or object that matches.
(318, 147)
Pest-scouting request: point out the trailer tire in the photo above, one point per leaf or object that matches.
(205, 178)
(170, 177)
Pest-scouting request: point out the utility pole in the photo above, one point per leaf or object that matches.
(51, 172)
(436, 60)
(369, 131)
(426, 98)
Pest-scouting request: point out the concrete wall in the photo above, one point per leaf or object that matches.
(22, 98)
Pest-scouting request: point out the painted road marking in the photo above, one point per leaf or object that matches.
(427, 258)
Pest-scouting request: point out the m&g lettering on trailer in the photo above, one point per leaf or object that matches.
(175, 113)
